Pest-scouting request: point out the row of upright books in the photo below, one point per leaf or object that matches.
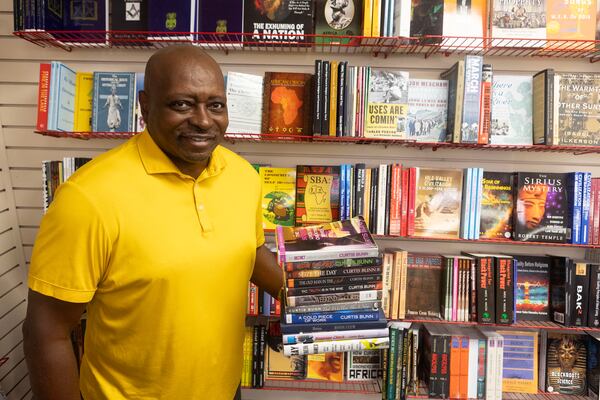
(55, 172)
(263, 21)
(444, 361)
(88, 101)
(497, 289)
(436, 203)
(469, 104)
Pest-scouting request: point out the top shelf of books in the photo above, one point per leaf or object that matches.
(427, 45)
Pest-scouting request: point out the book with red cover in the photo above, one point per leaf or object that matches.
(287, 103)
(43, 97)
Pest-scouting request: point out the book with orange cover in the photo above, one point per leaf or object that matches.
(570, 20)
(287, 104)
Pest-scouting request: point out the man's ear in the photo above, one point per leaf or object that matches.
(143, 97)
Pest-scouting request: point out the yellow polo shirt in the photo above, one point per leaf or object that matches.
(164, 262)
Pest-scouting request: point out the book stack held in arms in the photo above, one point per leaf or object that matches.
(333, 277)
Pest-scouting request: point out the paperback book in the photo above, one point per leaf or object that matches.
(512, 110)
(286, 103)
(532, 295)
(497, 205)
(317, 194)
(427, 110)
(285, 22)
(335, 20)
(566, 362)
(278, 196)
(113, 102)
(244, 102)
(387, 104)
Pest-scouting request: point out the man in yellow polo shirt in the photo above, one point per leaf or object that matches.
(158, 239)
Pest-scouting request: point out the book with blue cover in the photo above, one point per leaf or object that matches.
(168, 17)
(86, 15)
(227, 18)
(65, 104)
(471, 106)
(113, 102)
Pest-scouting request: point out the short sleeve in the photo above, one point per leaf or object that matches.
(260, 234)
(72, 248)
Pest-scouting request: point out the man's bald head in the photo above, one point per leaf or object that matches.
(164, 60)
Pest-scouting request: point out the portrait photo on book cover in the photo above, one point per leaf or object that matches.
(539, 209)
(339, 13)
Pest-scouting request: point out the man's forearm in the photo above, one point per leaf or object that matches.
(52, 368)
(267, 273)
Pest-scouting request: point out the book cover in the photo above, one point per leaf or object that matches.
(561, 278)
(84, 93)
(544, 98)
(512, 118)
(326, 264)
(89, 15)
(438, 195)
(570, 21)
(520, 362)
(469, 130)
(387, 104)
(140, 124)
(336, 346)
(286, 103)
(427, 18)
(43, 96)
(594, 296)
(227, 18)
(532, 295)
(317, 194)
(65, 98)
(541, 207)
(284, 21)
(326, 367)
(278, 196)
(423, 285)
(280, 367)
(505, 290)
(485, 104)
(579, 109)
(514, 19)
(566, 361)
(113, 102)
(485, 270)
(364, 365)
(331, 281)
(427, 110)
(128, 15)
(244, 102)
(174, 19)
(331, 316)
(465, 18)
(337, 18)
(579, 293)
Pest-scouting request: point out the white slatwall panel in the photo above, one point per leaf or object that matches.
(22, 151)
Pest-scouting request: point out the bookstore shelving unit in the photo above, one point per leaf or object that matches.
(581, 51)
(427, 45)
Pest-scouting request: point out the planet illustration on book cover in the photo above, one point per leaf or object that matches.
(280, 210)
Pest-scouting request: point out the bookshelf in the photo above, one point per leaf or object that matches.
(393, 51)
(427, 45)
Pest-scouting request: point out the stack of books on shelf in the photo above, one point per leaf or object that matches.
(333, 288)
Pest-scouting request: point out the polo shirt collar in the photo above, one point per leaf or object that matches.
(155, 161)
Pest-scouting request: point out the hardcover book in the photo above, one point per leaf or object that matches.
(89, 15)
(286, 103)
(570, 21)
(578, 109)
(113, 102)
(437, 199)
(427, 18)
(65, 98)
(339, 239)
(512, 122)
(514, 19)
(337, 18)
(532, 295)
(278, 196)
(128, 15)
(541, 207)
(469, 129)
(317, 194)
(427, 110)
(465, 18)
(226, 18)
(364, 365)
(560, 288)
(566, 361)
(496, 205)
(520, 362)
(326, 367)
(387, 104)
(283, 21)
(423, 285)
(172, 19)
(84, 93)
(244, 102)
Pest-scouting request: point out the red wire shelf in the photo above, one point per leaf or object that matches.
(309, 385)
(228, 41)
(518, 325)
(526, 396)
(283, 138)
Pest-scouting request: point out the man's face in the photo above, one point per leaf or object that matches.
(531, 205)
(185, 110)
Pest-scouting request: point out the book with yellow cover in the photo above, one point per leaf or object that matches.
(387, 104)
(570, 20)
(278, 196)
(333, 97)
(317, 194)
(326, 367)
(84, 90)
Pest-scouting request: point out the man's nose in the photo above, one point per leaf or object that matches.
(200, 117)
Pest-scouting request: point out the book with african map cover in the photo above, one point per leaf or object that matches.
(317, 194)
(286, 103)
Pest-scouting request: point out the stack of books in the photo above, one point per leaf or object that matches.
(333, 288)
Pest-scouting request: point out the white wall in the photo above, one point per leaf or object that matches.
(22, 151)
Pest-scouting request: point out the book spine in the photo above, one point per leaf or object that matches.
(335, 346)
(392, 364)
(455, 367)
(485, 291)
(334, 289)
(585, 207)
(325, 264)
(326, 85)
(403, 269)
(381, 199)
(366, 295)
(341, 99)
(342, 280)
(318, 273)
(395, 200)
(343, 178)
(472, 292)
(581, 295)
(404, 202)
(373, 210)
(406, 341)
(335, 316)
(333, 327)
(483, 136)
(504, 291)
(43, 96)
(261, 355)
(398, 369)
(471, 100)
(444, 375)
(327, 255)
(412, 185)
(359, 189)
(255, 353)
(349, 190)
(330, 336)
(318, 97)
(354, 305)
(455, 286)
(388, 185)
(594, 290)
(434, 370)
(333, 93)
(266, 102)
(596, 226)
(481, 365)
